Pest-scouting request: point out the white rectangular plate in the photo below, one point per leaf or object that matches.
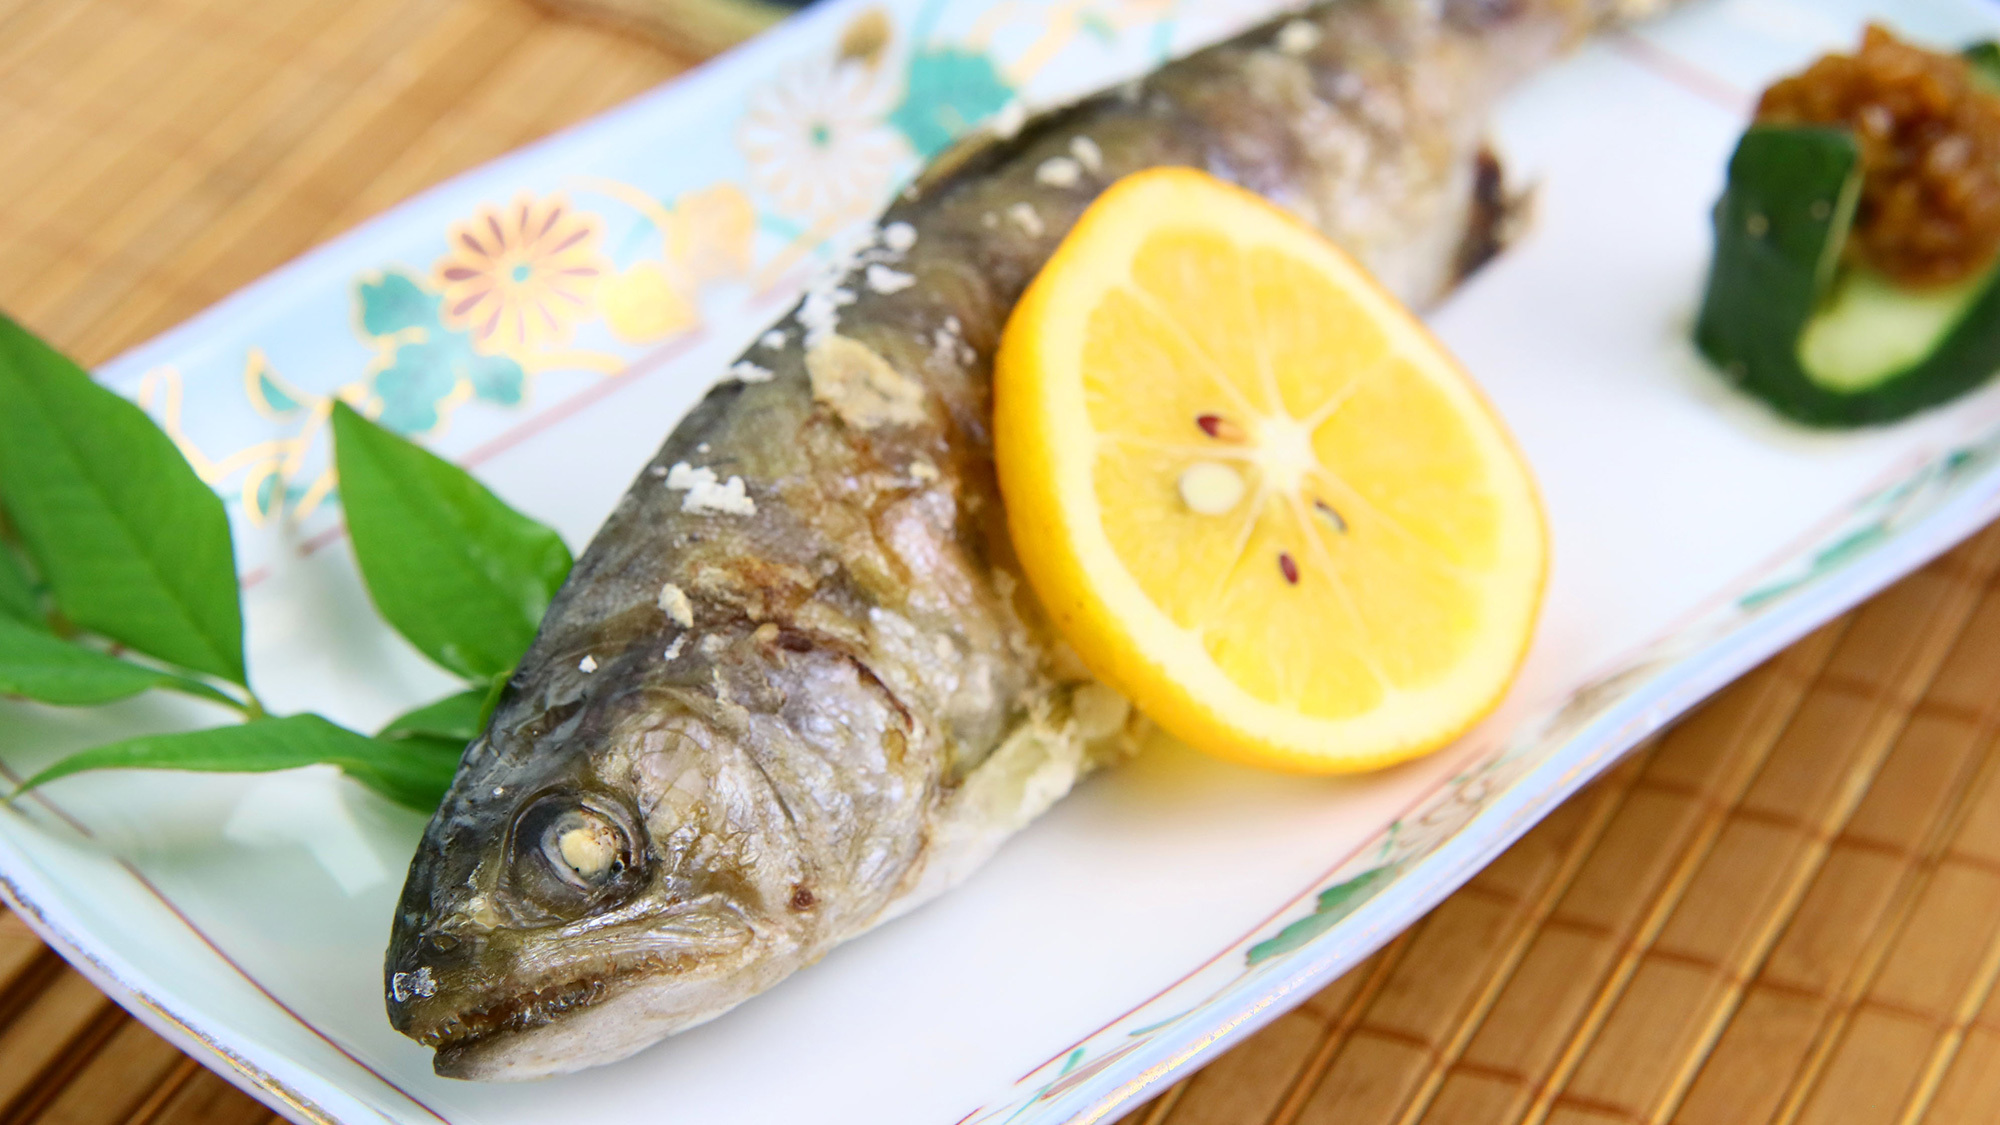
(1168, 907)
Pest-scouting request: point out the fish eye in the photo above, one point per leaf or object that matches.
(572, 852)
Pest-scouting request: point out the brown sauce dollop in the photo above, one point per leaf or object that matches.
(1930, 150)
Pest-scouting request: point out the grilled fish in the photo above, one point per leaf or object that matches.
(795, 685)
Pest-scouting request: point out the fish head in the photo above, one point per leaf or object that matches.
(593, 881)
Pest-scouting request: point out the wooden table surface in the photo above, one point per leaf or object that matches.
(1783, 911)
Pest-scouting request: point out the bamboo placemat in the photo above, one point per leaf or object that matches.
(1783, 911)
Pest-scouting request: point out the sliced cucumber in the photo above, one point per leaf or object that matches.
(1824, 344)
(1870, 329)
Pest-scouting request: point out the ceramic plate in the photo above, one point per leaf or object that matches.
(1168, 907)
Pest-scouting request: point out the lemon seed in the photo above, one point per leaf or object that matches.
(1210, 489)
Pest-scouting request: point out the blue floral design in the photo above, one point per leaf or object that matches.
(274, 395)
(949, 91)
(430, 360)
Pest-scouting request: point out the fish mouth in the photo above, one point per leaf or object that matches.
(469, 1044)
(601, 1011)
(458, 1031)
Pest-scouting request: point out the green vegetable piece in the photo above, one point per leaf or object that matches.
(17, 593)
(460, 574)
(455, 717)
(1869, 329)
(41, 666)
(131, 543)
(1985, 59)
(1826, 344)
(408, 773)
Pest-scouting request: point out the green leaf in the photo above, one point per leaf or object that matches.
(425, 766)
(131, 543)
(453, 717)
(17, 593)
(44, 667)
(413, 772)
(1985, 59)
(494, 693)
(416, 775)
(460, 574)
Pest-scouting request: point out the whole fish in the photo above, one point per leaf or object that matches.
(796, 685)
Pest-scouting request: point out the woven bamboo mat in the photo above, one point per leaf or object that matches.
(1786, 910)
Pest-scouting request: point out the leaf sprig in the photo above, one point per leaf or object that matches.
(118, 576)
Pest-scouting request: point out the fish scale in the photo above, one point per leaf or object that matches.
(664, 818)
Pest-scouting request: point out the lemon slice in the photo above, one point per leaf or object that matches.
(1253, 492)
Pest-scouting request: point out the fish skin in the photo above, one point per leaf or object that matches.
(867, 702)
